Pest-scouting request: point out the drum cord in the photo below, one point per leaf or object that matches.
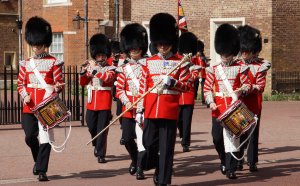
(245, 151)
(62, 147)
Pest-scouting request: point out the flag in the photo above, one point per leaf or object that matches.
(182, 25)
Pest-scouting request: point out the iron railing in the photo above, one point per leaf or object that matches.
(11, 104)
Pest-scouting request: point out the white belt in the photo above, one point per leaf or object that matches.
(100, 88)
(35, 85)
(165, 91)
(222, 94)
(128, 93)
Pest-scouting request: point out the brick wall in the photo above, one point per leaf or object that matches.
(8, 30)
(286, 35)
(60, 18)
(257, 13)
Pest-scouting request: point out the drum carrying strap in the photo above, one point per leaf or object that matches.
(46, 136)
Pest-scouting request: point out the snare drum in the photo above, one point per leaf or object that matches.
(237, 118)
(51, 111)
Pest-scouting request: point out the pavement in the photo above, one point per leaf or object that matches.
(279, 155)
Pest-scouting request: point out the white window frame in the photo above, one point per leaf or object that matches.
(59, 43)
(214, 23)
(50, 3)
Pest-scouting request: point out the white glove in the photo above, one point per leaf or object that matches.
(166, 80)
(200, 79)
(139, 118)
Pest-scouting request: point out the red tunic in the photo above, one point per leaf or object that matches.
(126, 86)
(257, 75)
(100, 84)
(187, 98)
(203, 65)
(162, 105)
(49, 67)
(214, 88)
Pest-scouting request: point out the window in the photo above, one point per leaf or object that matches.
(50, 3)
(10, 59)
(56, 1)
(57, 46)
(214, 24)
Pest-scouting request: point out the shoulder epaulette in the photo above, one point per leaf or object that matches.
(58, 62)
(266, 65)
(210, 70)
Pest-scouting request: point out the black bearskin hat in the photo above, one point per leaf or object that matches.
(250, 39)
(99, 44)
(115, 47)
(200, 46)
(38, 32)
(227, 40)
(187, 43)
(153, 50)
(134, 36)
(164, 30)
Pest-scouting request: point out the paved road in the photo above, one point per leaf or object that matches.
(279, 160)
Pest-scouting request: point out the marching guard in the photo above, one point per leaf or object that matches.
(187, 44)
(225, 83)
(251, 45)
(38, 35)
(160, 106)
(98, 76)
(134, 42)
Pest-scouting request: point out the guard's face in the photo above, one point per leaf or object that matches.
(135, 53)
(38, 49)
(227, 58)
(101, 57)
(247, 55)
(163, 48)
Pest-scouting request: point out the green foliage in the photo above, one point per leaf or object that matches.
(279, 96)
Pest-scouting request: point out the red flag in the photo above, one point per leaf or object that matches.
(182, 25)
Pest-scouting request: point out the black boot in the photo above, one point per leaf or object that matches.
(140, 174)
(43, 177)
(253, 167)
(132, 168)
(155, 176)
(223, 169)
(231, 175)
(34, 171)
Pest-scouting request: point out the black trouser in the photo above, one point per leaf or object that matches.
(226, 158)
(40, 153)
(252, 152)
(159, 136)
(196, 87)
(119, 110)
(128, 134)
(96, 121)
(184, 123)
(202, 93)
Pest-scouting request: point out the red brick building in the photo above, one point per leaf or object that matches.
(278, 21)
(8, 33)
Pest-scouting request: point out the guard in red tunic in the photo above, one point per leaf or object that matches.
(203, 62)
(251, 46)
(160, 106)
(98, 76)
(225, 83)
(134, 41)
(187, 44)
(38, 35)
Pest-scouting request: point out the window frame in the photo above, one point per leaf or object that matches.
(60, 43)
(13, 61)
